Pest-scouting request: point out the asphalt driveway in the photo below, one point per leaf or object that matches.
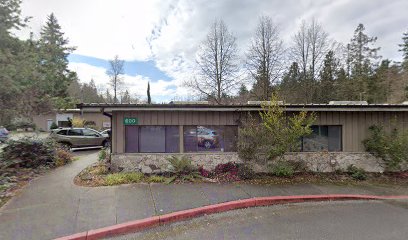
(360, 220)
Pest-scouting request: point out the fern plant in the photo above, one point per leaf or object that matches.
(183, 169)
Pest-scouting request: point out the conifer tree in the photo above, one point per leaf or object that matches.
(54, 52)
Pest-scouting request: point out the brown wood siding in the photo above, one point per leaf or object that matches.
(354, 124)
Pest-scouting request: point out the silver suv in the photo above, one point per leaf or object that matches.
(79, 137)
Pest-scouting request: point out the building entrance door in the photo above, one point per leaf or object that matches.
(49, 123)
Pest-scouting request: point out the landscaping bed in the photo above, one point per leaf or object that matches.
(98, 174)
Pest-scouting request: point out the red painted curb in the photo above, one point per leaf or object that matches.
(143, 224)
(132, 226)
(78, 236)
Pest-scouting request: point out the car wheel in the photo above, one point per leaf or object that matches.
(106, 144)
(207, 144)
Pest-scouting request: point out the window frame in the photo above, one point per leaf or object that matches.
(219, 130)
(328, 126)
(138, 139)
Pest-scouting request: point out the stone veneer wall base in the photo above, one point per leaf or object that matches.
(315, 161)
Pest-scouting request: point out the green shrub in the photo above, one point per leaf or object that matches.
(29, 153)
(21, 123)
(282, 168)
(63, 157)
(275, 135)
(123, 178)
(356, 173)
(102, 155)
(245, 172)
(156, 179)
(53, 126)
(390, 147)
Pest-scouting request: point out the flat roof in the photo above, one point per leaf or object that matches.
(113, 107)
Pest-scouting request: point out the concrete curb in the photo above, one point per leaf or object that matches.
(142, 224)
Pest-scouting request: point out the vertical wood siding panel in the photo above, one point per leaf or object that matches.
(362, 123)
(182, 118)
(323, 118)
(336, 118)
(223, 118)
(329, 118)
(174, 118)
(154, 118)
(209, 118)
(405, 114)
(167, 118)
(216, 118)
(374, 118)
(342, 122)
(196, 118)
(160, 118)
(348, 132)
(189, 118)
(380, 119)
(120, 133)
(114, 134)
(400, 121)
(356, 143)
(387, 121)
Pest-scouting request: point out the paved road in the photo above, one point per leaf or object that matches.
(329, 220)
(52, 206)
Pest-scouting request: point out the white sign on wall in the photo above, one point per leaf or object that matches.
(106, 124)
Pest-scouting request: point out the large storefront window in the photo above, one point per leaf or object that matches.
(323, 138)
(210, 138)
(152, 139)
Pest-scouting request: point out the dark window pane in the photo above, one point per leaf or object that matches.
(316, 141)
(90, 133)
(75, 132)
(132, 139)
(209, 139)
(152, 139)
(172, 139)
(335, 138)
(190, 138)
(324, 131)
(62, 132)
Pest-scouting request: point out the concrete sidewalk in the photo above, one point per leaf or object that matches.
(52, 206)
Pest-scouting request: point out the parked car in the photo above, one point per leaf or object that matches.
(4, 134)
(79, 137)
(106, 133)
(207, 138)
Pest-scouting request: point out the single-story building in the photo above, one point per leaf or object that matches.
(145, 135)
(61, 118)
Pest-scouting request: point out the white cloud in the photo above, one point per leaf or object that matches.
(169, 32)
(100, 28)
(137, 85)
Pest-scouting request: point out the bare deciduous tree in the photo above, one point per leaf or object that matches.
(217, 64)
(311, 44)
(115, 73)
(265, 58)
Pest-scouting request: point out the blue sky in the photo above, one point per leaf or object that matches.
(132, 68)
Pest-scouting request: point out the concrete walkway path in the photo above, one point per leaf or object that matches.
(52, 206)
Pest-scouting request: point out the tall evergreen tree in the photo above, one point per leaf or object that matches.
(404, 50)
(363, 60)
(149, 99)
(327, 85)
(54, 51)
(289, 89)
